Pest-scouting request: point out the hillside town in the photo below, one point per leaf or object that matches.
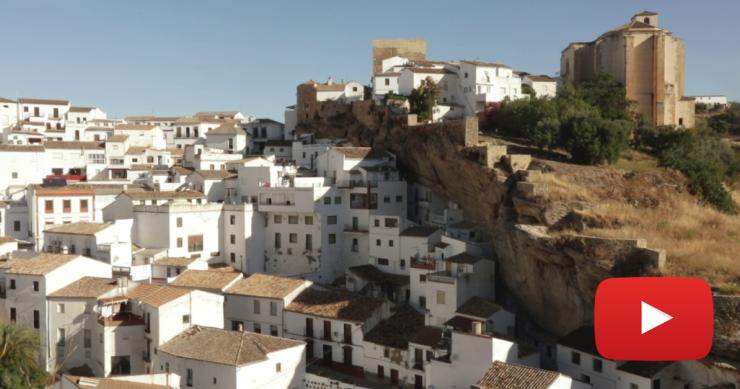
(224, 250)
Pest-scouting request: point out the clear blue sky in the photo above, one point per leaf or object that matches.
(177, 57)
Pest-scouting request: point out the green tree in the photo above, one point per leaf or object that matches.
(19, 357)
(608, 95)
(423, 99)
(591, 139)
(527, 90)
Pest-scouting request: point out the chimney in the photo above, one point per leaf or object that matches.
(477, 327)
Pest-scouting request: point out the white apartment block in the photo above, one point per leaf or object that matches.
(50, 206)
(542, 85)
(711, 100)
(262, 130)
(26, 283)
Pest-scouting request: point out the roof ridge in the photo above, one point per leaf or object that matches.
(239, 350)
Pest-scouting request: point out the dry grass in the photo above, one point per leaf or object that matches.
(654, 204)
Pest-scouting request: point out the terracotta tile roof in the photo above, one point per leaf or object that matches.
(79, 228)
(335, 305)
(215, 174)
(69, 190)
(117, 138)
(135, 150)
(396, 330)
(361, 152)
(137, 127)
(430, 70)
(175, 151)
(86, 287)
(206, 279)
(419, 231)
(266, 285)
(428, 336)
(581, 339)
(646, 13)
(216, 113)
(486, 64)
(266, 121)
(182, 170)
(188, 120)
(227, 129)
(81, 109)
(6, 239)
(329, 87)
(464, 258)
(375, 275)
(142, 166)
(160, 195)
(234, 348)
(5, 100)
(110, 383)
(541, 78)
(156, 295)
(478, 307)
(512, 376)
(40, 264)
(73, 145)
(174, 261)
(28, 100)
(21, 148)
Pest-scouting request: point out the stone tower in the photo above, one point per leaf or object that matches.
(647, 59)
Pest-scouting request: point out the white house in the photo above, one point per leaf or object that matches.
(22, 166)
(8, 113)
(214, 281)
(212, 357)
(542, 85)
(256, 303)
(50, 205)
(711, 100)
(142, 135)
(262, 130)
(228, 137)
(106, 242)
(26, 284)
(210, 183)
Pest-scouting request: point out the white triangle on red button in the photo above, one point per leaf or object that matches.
(651, 317)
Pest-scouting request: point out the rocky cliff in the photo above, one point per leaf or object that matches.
(544, 262)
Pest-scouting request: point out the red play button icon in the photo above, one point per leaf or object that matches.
(653, 318)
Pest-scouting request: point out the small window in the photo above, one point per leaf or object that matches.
(327, 200)
(12, 284)
(277, 219)
(179, 222)
(332, 238)
(575, 357)
(331, 220)
(232, 220)
(308, 220)
(60, 308)
(386, 199)
(278, 367)
(440, 297)
(399, 199)
(35, 286)
(292, 219)
(383, 261)
(390, 243)
(293, 238)
(387, 81)
(337, 200)
(232, 257)
(179, 242)
(189, 378)
(185, 319)
(376, 223)
(273, 308)
(598, 365)
(256, 306)
(215, 381)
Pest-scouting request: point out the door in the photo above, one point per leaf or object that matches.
(381, 371)
(418, 382)
(36, 111)
(348, 356)
(326, 355)
(394, 377)
(355, 223)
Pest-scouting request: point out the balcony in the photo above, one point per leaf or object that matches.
(443, 277)
(121, 319)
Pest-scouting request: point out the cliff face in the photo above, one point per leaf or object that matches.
(551, 270)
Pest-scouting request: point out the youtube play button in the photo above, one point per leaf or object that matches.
(653, 318)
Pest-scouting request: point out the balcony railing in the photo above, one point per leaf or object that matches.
(444, 277)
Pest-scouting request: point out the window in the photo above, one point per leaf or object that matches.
(232, 239)
(83, 205)
(309, 327)
(355, 245)
(49, 206)
(257, 328)
(383, 261)
(337, 200)
(195, 243)
(292, 219)
(440, 297)
(656, 384)
(35, 286)
(330, 220)
(399, 199)
(179, 242)
(273, 308)
(391, 222)
(36, 319)
(390, 243)
(215, 380)
(278, 367)
(60, 308)
(277, 219)
(237, 326)
(273, 330)
(277, 240)
(293, 238)
(332, 238)
(598, 365)
(634, 386)
(60, 337)
(87, 338)
(232, 257)
(309, 242)
(585, 378)
(386, 199)
(185, 319)
(402, 263)
(308, 220)
(232, 220)
(12, 315)
(14, 175)
(575, 357)
(16, 225)
(67, 206)
(387, 83)
(377, 242)
(376, 223)
(422, 278)
(189, 377)
(179, 222)
(327, 200)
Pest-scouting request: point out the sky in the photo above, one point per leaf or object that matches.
(177, 57)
